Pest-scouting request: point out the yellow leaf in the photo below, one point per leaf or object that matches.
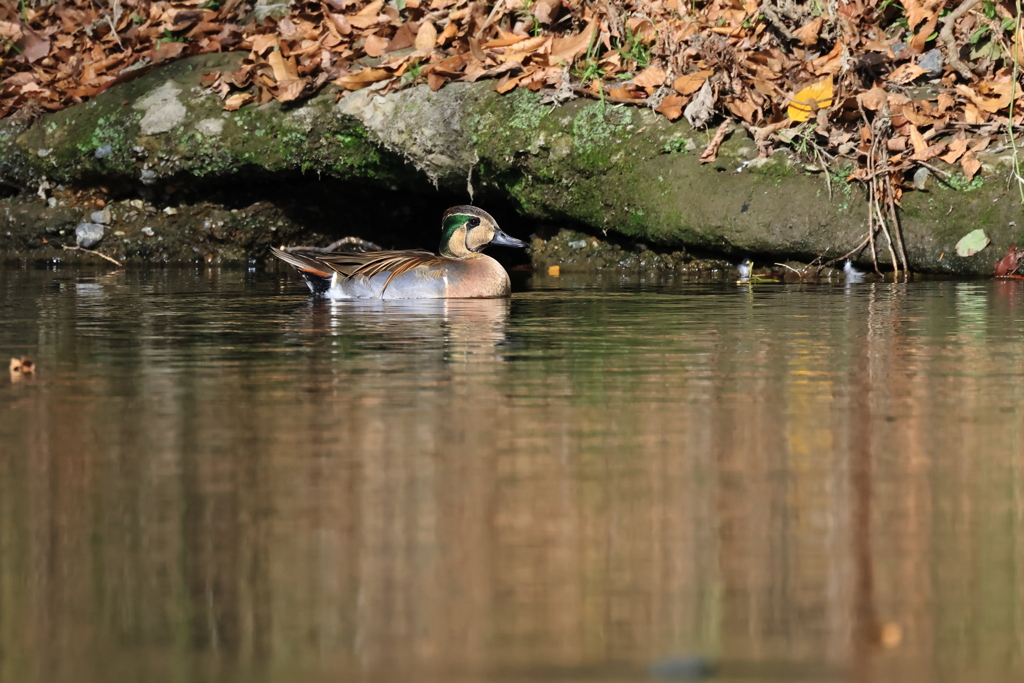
(808, 101)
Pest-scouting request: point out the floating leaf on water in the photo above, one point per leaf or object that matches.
(971, 243)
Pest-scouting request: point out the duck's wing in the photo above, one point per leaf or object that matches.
(350, 264)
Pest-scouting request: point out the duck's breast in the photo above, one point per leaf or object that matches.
(478, 277)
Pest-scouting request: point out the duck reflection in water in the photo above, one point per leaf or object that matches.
(460, 330)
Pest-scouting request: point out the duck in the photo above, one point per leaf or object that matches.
(745, 267)
(460, 271)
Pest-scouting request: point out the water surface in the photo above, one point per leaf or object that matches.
(212, 477)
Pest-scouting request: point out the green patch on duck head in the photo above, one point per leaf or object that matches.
(455, 224)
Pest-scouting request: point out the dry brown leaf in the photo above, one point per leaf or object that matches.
(506, 83)
(956, 149)
(745, 109)
(33, 46)
(691, 83)
(236, 102)
(288, 91)
(873, 99)
(426, 37)
(929, 152)
(263, 43)
(917, 140)
(905, 74)
(970, 164)
(284, 69)
(982, 144)
(808, 33)
(972, 114)
(545, 11)
(808, 101)
(621, 93)
(671, 107)
(651, 77)
(375, 46)
(361, 79)
(567, 49)
(711, 152)
(920, 39)
(435, 81)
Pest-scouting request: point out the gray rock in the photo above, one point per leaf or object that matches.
(100, 216)
(931, 62)
(88, 235)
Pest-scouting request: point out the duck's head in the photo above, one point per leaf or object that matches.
(466, 230)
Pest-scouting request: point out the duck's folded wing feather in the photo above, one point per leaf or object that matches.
(366, 264)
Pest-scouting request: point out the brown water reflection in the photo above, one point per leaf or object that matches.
(212, 478)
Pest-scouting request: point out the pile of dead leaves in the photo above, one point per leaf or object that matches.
(794, 74)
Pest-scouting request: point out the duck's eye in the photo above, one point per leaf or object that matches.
(472, 223)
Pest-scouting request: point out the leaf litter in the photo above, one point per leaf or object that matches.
(817, 76)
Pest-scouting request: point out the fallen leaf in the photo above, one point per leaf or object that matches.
(426, 38)
(671, 107)
(375, 46)
(361, 79)
(699, 110)
(711, 152)
(284, 69)
(745, 109)
(873, 99)
(287, 91)
(971, 243)
(917, 140)
(905, 74)
(567, 49)
(970, 164)
(808, 33)
(33, 46)
(691, 83)
(956, 150)
(929, 152)
(920, 39)
(235, 102)
(651, 77)
(1010, 262)
(808, 101)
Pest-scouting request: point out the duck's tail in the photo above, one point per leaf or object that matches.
(318, 278)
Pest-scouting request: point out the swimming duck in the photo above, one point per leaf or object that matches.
(459, 272)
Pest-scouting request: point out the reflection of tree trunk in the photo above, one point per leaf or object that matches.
(865, 619)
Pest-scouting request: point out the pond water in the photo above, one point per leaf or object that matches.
(212, 477)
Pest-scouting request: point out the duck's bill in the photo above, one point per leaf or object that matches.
(503, 240)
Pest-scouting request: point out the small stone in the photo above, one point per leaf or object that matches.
(148, 232)
(51, 202)
(171, 211)
(100, 216)
(88, 235)
(103, 152)
(921, 177)
(931, 62)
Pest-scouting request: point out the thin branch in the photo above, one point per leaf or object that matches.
(946, 36)
(94, 253)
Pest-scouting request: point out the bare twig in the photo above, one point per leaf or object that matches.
(95, 253)
(946, 36)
